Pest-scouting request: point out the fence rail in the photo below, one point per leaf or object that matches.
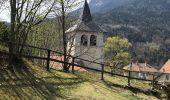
(52, 51)
(73, 64)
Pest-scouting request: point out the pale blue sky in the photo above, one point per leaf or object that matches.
(5, 14)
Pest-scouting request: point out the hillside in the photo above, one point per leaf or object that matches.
(146, 24)
(99, 6)
(29, 81)
(140, 13)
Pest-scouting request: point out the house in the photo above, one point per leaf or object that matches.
(141, 70)
(85, 40)
(165, 72)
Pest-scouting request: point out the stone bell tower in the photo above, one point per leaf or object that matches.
(85, 40)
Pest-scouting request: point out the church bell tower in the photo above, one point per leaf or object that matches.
(85, 40)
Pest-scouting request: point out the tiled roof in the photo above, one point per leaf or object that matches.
(166, 67)
(142, 67)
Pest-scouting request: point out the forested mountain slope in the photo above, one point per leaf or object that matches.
(146, 23)
(100, 6)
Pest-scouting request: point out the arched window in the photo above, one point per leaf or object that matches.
(93, 40)
(84, 40)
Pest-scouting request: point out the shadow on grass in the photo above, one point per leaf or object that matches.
(167, 91)
(117, 87)
(21, 83)
(134, 89)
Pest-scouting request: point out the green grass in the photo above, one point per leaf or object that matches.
(29, 81)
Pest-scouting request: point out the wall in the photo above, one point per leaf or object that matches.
(142, 75)
(92, 53)
(163, 78)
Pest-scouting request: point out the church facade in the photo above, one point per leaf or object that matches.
(85, 40)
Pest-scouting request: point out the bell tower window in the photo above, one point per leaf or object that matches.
(84, 40)
(93, 40)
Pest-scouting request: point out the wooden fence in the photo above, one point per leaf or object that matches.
(73, 64)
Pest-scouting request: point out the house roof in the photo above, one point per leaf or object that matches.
(85, 23)
(142, 67)
(166, 67)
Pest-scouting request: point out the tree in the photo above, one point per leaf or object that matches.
(25, 14)
(3, 32)
(116, 52)
(1, 4)
(61, 10)
(12, 32)
(44, 35)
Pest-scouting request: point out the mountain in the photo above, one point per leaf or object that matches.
(146, 23)
(101, 6)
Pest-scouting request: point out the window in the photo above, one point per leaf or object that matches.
(93, 40)
(84, 40)
(167, 77)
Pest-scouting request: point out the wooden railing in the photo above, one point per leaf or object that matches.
(73, 64)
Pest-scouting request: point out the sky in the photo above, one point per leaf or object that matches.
(5, 14)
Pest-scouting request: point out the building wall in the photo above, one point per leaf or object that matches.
(92, 53)
(163, 78)
(141, 75)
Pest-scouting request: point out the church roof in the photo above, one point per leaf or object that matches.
(85, 23)
(85, 27)
(86, 14)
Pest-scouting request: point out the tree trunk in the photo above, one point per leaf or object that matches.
(65, 68)
(12, 32)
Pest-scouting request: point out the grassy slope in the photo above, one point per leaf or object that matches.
(33, 82)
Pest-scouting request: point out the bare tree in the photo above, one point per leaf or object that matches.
(61, 11)
(2, 2)
(26, 14)
(12, 31)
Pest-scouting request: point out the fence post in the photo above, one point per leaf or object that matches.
(48, 60)
(129, 74)
(129, 78)
(153, 81)
(102, 74)
(73, 64)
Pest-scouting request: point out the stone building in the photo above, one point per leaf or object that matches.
(85, 40)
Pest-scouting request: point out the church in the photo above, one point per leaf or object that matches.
(85, 40)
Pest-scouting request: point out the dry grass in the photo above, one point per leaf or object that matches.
(29, 81)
